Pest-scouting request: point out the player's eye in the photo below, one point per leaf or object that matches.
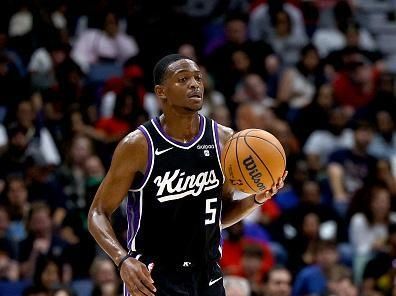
(198, 78)
(182, 79)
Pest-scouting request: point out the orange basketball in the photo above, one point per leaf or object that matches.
(253, 160)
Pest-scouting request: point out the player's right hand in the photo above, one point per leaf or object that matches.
(137, 278)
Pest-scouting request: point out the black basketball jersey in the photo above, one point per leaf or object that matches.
(174, 213)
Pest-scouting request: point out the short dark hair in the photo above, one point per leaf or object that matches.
(161, 66)
(275, 268)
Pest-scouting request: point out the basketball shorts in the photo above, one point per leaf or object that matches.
(187, 281)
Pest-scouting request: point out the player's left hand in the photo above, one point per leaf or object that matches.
(267, 194)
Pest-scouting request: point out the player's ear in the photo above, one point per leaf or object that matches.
(160, 91)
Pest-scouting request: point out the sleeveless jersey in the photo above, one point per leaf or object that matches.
(174, 213)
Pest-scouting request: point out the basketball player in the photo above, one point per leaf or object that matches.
(177, 202)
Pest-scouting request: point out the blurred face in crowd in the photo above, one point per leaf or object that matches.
(380, 203)
(4, 221)
(251, 262)
(327, 257)
(94, 167)
(310, 225)
(325, 96)
(279, 283)
(188, 50)
(352, 36)
(25, 114)
(338, 121)
(236, 286)
(311, 60)
(111, 25)
(50, 276)
(40, 222)
(255, 87)
(222, 115)
(241, 61)
(81, 149)
(385, 122)
(236, 31)
(105, 272)
(17, 193)
(251, 115)
(311, 192)
(363, 137)
(282, 24)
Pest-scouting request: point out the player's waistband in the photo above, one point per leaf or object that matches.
(180, 266)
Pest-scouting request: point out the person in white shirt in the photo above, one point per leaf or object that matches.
(108, 44)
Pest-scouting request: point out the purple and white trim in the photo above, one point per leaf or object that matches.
(134, 211)
(188, 145)
(217, 144)
(150, 160)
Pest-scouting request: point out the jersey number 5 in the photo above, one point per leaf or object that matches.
(210, 211)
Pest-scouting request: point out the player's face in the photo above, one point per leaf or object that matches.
(183, 86)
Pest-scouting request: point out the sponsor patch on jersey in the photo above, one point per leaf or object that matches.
(199, 147)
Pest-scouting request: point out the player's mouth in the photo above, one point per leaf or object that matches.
(195, 94)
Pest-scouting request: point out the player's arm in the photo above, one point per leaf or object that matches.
(130, 157)
(235, 210)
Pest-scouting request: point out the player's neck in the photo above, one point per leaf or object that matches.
(180, 127)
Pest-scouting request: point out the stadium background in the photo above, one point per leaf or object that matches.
(75, 77)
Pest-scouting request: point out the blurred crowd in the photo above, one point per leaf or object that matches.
(76, 77)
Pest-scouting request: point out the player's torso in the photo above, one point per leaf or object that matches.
(179, 201)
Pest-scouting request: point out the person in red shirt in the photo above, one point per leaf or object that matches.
(356, 85)
(244, 256)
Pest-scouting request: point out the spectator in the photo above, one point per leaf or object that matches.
(297, 85)
(107, 45)
(237, 56)
(43, 62)
(378, 272)
(106, 282)
(315, 116)
(253, 89)
(39, 141)
(13, 87)
(278, 282)
(368, 231)
(48, 273)
(323, 142)
(286, 45)
(221, 115)
(8, 264)
(254, 115)
(213, 99)
(356, 84)
(18, 207)
(384, 141)
(348, 169)
(334, 38)
(71, 173)
(340, 282)
(313, 278)
(236, 286)
(236, 246)
(63, 292)
(41, 240)
(260, 25)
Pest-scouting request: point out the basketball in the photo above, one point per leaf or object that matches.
(253, 160)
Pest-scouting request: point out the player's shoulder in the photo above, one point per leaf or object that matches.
(225, 133)
(133, 142)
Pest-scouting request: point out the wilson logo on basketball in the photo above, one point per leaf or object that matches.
(251, 166)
